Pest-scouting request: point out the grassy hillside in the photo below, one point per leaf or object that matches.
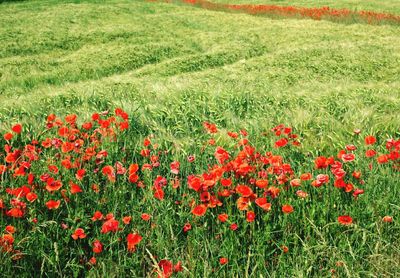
(174, 66)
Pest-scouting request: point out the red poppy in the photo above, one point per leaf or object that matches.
(8, 136)
(233, 227)
(175, 167)
(166, 268)
(31, 197)
(261, 183)
(345, 220)
(244, 190)
(126, 220)
(187, 227)
(97, 216)
(79, 233)
(250, 216)
(74, 188)
(263, 203)
(370, 153)
(51, 204)
(223, 261)
(223, 217)
(17, 128)
(287, 209)
(370, 140)
(281, 143)
(199, 210)
(111, 225)
(132, 241)
(301, 194)
(145, 216)
(387, 219)
(348, 157)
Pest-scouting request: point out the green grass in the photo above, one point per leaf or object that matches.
(171, 67)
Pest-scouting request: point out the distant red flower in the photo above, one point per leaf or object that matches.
(199, 210)
(110, 225)
(92, 261)
(17, 128)
(345, 220)
(281, 143)
(370, 140)
(145, 216)
(175, 167)
(263, 203)
(8, 136)
(233, 227)
(79, 233)
(244, 190)
(223, 261)
(132, 241)
(387, 219)
(97, 246)
(223, 217)
(126, 220)
(97, 216)
(52, 204)
(287, 209)
(187, 227)
(250, 216)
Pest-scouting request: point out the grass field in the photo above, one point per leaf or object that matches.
(172, 67)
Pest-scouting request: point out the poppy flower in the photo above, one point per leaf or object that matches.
(74, 188)
(79, 233)
(92, 261)
(285, 249)
(305, 176)
(261, 183)
(10, 229)
(370, 140)
(263, 203)
(97, 216)
(223, 261)
(53, 185)
(187, 227)
(250, 216)
(145, 216)
(17, 128)
(111, 225)
(132, 241)
(175, 167)
(97, 246)
(126, 220)
(295, 182)
(223, 217)
(199, 210)
(8, 136)
(345, 220)
(244, 190)
(31, 197)
(52, 204)
(242, 203)
(233, 227)
(166, 267)
(287, 209)
(387, 219)
(191, 158)
(348, 157)
(281, 143)
(301, 194)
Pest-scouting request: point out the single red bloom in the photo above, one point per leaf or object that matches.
(244, 190)
(110, 225)
(345, 220)
(97, 246)
(250, 216)
(223, 261)
(79, 233)
(223, 217)
(187, 227)
(370, 140)
(145, 216)
(51, 204)
(263, 203)
(132, 241)
(281, 143)
(287, 209)
(387, 219)
(126, 220)
(199, 210)
(17, 128)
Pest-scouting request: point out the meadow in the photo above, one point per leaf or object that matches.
(197, 143)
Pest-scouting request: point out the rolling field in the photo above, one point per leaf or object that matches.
(172, 67)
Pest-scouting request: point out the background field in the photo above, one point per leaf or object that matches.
(171, 67)
(388, 6)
